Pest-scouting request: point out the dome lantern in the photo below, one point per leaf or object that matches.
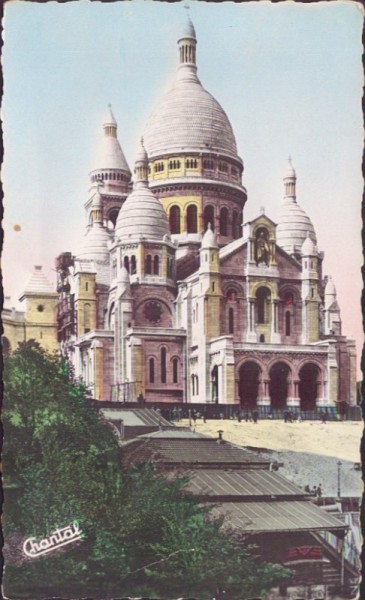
(187, 44)
(141, 167)
(290, 180)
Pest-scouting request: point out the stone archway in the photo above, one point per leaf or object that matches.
(309, 377)
(248, 385)
(279, 384)
(215, 384)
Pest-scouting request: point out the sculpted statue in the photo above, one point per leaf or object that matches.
(262, 248)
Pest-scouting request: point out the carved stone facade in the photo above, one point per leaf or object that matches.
(177, 300)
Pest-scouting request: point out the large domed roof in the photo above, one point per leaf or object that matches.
(188, 118)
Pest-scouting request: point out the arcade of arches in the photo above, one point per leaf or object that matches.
(279, 385)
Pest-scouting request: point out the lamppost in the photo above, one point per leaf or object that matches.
(339, 464)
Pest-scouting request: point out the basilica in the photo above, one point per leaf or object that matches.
(173, 297)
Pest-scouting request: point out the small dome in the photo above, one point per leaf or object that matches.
(95, 244)
(109, 118)
(142, 215)
(293, 227)
(209, 240)
(290, 171)
(95, 248)
(109, 154)
(330, 289)
(188, 30)
(308, 248)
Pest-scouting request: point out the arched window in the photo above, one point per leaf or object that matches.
(148, 264)
(163, 365)
(133, 265)
(87, 317)
(235, 225)
(287, 323)
(262, 338)
(112, 218)
(192, 219)
(262, 297)
(208, 164)
(209, 217)
(126, 263)
(151, 368)
(156, 265)
(223, 222)
(231, 320)
(174, 219)
(175, 370)
(193, 385)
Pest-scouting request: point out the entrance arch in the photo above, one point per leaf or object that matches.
(309, 376)
(249, 381)
(215, 384)
(279, 384)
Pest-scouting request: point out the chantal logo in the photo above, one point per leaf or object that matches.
(58, 538)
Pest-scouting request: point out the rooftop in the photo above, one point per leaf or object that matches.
(261, 517)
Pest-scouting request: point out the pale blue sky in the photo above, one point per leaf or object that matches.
(288, 75)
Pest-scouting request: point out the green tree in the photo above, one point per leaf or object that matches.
(142, 535)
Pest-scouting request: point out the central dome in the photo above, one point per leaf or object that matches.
(188, 118)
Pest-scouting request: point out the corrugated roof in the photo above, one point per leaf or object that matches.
(258, 482)
(276, 516)
(136, 417)
(197, 451)
(176, 433)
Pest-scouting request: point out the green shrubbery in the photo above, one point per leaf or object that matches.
(142, 536)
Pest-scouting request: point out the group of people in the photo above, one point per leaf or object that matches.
(248, 415)
(291, 416)
(314, 491)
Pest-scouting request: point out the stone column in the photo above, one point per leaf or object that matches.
(251, 334)
(263, 398)
(275, 336)
(294, 400)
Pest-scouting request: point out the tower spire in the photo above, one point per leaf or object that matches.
(187, 42)
(141, 166)
(110, 125)
(290, 180)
